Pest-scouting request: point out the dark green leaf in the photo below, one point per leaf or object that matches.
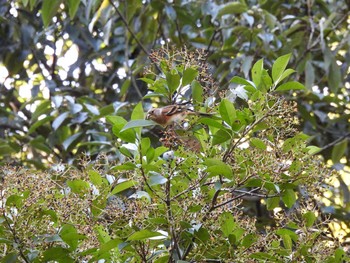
(48, 10)
(73, 7)
(338, 150)
(59, 254)
(39, 123)
(44, 108)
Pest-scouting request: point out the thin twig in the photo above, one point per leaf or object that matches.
(347, 135)
(128, 28)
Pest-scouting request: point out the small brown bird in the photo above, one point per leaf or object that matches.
(171, 114)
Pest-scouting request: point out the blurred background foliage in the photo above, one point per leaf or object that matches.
(65, 65)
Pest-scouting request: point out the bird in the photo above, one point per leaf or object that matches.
(170, 114)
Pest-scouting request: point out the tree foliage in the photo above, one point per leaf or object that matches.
(164, 204)
(72, 74)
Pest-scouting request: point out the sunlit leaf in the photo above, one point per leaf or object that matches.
(123, 186)
(279, 66)
(257, 72)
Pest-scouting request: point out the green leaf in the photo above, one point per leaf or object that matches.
(95, 177)
(44, 108)
(73, 7)
(289, 198)
(338, 151)
(309, 75)
(10, 258)
(138, 112)
(173, 81)
(334, 76)
(211, 122)
(202, 234)
(189, 75)
(137, 124)
(40, 143)
(309, 218)
(143, 234)
(223, 170)
(125, 87)
(313, 149)
(249, 240)
(292, 85)
(227, 111)
(286, 73)
(71, 141)
(232, 8)
(157, 179)
(197, 92)
(111, 244)
(128, 166)
(102, 235)
(287, 232)
(272, 202)
(123, 186)
(59, 120)
(227, 223)
(242, 81)
(279, 66)
(221, 136)
(257, 72)
(37, 124)
(78, 186)
(264, 256)
(339, 256)
(58, 254)
(258, 143)
(70, 236)
(118, 124)
(48, 10)
(287, 241)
